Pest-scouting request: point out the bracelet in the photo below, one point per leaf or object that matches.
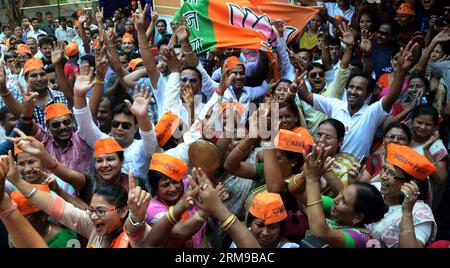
(199, 218)
(53, 167)
(10, 211)
(227, 221)
(228, 226)
(171, 217)
(6, 94)
(136, 224)
(290, 92)
(188, 53)
(100, 82)
(31, 193)
(314, 203)
(300, 187)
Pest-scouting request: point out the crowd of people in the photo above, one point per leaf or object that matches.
(117, 134)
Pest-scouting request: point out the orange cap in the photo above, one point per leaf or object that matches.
(23, 49)
(165, 127)
(239, 107)
(268, 207)
(134, 62)
(294, 141)
(72, 49)
(32, 64)
(106, 146)
(23, 204)
(405, 8)
(409, 161)
(56, 110)
(128, 36)
(17, 150)
(233, 61)
(168, 165)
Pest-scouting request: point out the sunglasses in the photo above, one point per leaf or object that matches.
(125, 125)
(314, 74)
(66, 122)
(190, 79)
(383, 33)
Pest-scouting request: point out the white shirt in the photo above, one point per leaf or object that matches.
(158, 93)
(359, 128)
(136, 155)
(333, 10)
(66, 35)
(34, 34)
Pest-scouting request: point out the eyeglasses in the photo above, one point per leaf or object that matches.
(319, 135)
(314, 74)
(67, 122)
(389, 173)
(396, 137)
(125, 125)
(190, 79)
(100, 212)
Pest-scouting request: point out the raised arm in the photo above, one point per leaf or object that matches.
(407, 234)
(63, 82)
(366, 48)
(406, 61)
(101, 66)
(443, 36)
(99, 18)
(145, 44)
(81, 32)
(13, 105)
(182, 34)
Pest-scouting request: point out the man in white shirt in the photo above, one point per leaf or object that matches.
(35, 29)
(360, 119)
(64, 33)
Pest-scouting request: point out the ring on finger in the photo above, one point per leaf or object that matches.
(204, 186)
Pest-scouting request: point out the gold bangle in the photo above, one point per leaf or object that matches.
(199, 218)
(6, 94)
(100, 82)
(226, 228)
(314, 203)
(227, 221)
(170, 216)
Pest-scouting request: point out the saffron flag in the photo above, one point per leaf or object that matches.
(240, 24)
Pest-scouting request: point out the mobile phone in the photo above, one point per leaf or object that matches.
(308, 148)
(362, 162)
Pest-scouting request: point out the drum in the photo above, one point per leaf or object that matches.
(205, 155)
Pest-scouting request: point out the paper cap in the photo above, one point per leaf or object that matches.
(23, 204)
(134, 62)
(72, 49)
(128, 36)
(239, 107)
(405, 8)
(293, 141)
(268, 207)
(56, 110)
(168, 165)
(32, 64)
(409, 161)
(233, 61)
(165, 127)
(106, 146)
(23, 49)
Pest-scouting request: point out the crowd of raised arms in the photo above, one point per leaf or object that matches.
(118, 132)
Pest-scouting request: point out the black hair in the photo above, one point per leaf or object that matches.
(112, 193)
(34, 19)
(89, 58)
(48, 13)
(62, 19)
(395, 27)
(45, 41)
(123, 109)
(307, 51)
(371, 15)
(445, 47)
(250, 218)
(315, 65)
(154, 177)
(50, 68)
(295, 156)
(9, 54)
(163, 41)
(194, 70)
(279, 82)
(426, 109)
(31, 38)
(291, 105)
(401, 126)
(3, 112)
(371, 82)
(6, 26)
(338, 126)
(161, 20)
(424, 80)
(369, 202)
(335, 42)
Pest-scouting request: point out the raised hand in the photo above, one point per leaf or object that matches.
(365, 45)
(154, 15)
(431, 140)
(187, 94)
(28, 144)
(279, 27)
(84, 80)
(57, 52)
(209, 199)
(411, 192)
(225, 80)
(99, 15)
(182, 32)
(13, 174)
(29, 100)
(171, 59)
(83, 17)
(139, 16)
(406, 59)
(3, 88)
(138, 199)
(50, 180)
(316, 163)
(142, 97)
(442, 36)
(347, 34)
(101, 63)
